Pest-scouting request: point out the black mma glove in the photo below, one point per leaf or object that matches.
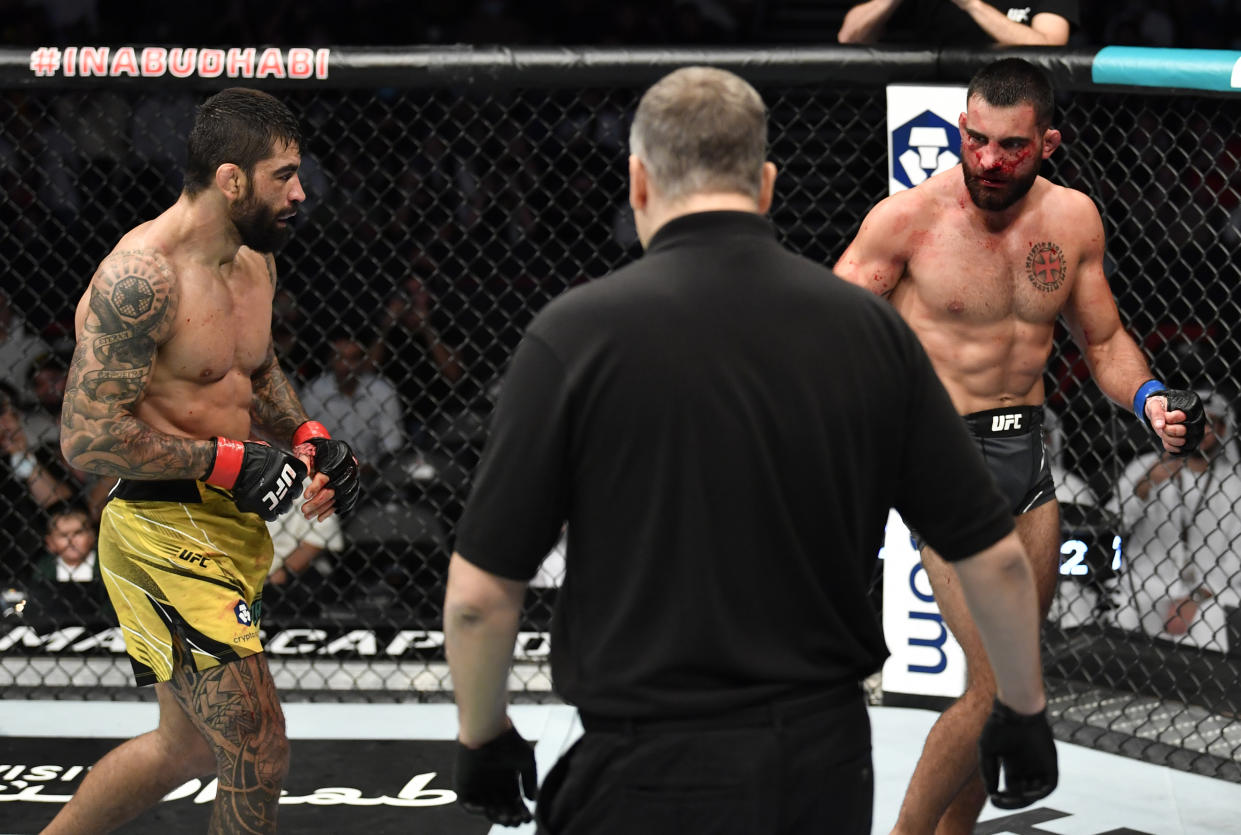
(1195, 418)
(1024, 746)
(333, 458)
(264, 480)
(486, 779)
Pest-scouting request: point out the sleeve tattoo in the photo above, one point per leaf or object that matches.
(132, 308)
(275, 406)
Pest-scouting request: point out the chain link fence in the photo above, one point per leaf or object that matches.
(440, 219)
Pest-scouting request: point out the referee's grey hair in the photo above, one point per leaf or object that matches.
(701, 129)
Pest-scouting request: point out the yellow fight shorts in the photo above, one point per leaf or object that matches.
(180, 560)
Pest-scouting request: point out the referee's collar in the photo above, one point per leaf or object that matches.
(713, 226)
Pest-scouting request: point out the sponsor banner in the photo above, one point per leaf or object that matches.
(925, 659)
(923, 137)
(333, 786)
(179, 62)
(923, 140)
(1217, 70)
(294, 642)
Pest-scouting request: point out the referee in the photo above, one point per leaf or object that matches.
(723, 425)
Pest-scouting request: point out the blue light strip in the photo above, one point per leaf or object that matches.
(1217, 70)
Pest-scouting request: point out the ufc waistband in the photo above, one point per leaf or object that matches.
(170, 490)
(774, 714)
(1014, 420)
(183, 490)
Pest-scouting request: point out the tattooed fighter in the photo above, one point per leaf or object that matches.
(981, 260)
(173, 368)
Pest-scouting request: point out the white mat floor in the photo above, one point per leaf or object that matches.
(1099, 793)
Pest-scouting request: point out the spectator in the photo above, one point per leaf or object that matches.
(301, 548)
(27, 485)
(358, 404)
(18, 348)
(25, 467)
(412, 350)
(961, 22)
(65, 586)
(289, 329)
(46, 381)
(70, 548)
(1183, 568)
(41, 428)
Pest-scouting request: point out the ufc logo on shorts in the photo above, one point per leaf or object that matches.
(283, 482)
(999, 423)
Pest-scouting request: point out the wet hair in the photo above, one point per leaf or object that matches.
(701, 129)
(1013, 81)
(237, 125)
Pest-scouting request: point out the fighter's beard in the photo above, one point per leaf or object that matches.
(992, 201)
(258, 228)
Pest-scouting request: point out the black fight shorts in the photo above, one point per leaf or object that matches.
(1011, 442)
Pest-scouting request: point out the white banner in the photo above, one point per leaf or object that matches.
(926, 660)
(923, 136)
(923, 140)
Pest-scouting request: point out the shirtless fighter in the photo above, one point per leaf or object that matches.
(980, 260)
(173, 368)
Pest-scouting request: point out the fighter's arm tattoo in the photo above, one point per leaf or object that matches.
(132, 311)
(274, 405)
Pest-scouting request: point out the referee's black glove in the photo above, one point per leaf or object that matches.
(487, 779)
(1023, 745)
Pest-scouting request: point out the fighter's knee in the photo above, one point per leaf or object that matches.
(278, 754)
(271, 749)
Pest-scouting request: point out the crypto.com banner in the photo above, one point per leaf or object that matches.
(923, 140)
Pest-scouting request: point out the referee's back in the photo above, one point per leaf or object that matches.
(735, 423)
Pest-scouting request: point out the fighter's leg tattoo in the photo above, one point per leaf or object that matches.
(235, 707)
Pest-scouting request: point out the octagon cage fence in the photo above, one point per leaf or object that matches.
(452, 192)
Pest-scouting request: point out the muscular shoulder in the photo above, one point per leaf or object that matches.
(1072, 206)
(134, 289)
(1075, 214)
(887, 238)
(894, 216)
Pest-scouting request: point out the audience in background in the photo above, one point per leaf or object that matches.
(358, 404)
(45, 380)
(412, 350)
(975, 23)
(69, 544)
(64, 586)
(507, 206)
(303, 551)
(18, 348)
(1183, 568)
(586, 22)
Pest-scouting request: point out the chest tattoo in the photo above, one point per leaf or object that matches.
(1045, 266)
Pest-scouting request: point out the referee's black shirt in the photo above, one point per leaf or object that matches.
(724, 425)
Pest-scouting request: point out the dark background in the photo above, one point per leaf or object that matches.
(1206, 24)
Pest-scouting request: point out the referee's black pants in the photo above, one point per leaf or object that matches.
(791, 768)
